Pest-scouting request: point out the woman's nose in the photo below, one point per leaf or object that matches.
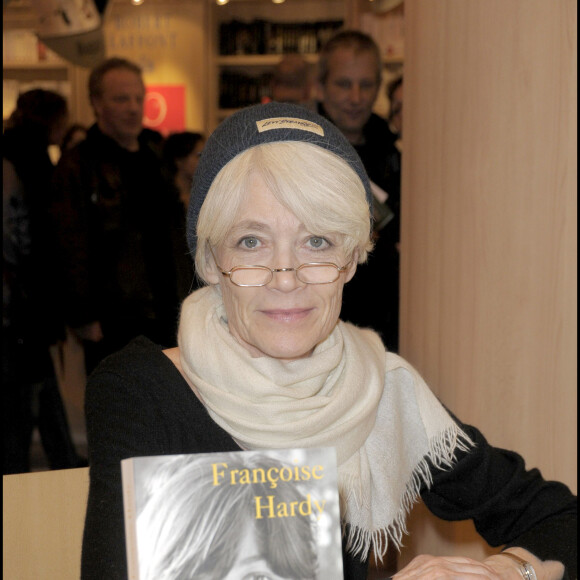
(285, 279)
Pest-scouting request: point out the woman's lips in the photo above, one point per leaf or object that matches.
(287, 314)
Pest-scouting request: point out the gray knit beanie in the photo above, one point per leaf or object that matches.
(259, 124)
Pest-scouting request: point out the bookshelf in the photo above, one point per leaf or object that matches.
(249, 37)
(28, 63)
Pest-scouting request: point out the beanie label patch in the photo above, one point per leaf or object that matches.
(289, 123)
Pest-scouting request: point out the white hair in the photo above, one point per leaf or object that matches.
(317, 186)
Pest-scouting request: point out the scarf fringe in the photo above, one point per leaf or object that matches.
(441, 454)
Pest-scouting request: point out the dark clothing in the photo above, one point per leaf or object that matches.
(31, 318)
(186, 279)
(28, 405)
(371, 298)
(112, 211)
(138, 404)
(29, 245)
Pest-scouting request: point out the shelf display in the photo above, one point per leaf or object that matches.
(250, 38)
(265, 37)
(28, 63)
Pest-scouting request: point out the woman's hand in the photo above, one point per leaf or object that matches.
(495, 567)
(544, 569)
(457, 568)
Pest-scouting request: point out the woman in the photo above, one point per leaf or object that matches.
(181, 153)
(278, 221)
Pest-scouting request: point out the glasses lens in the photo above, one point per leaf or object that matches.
(250, 276)
(318, 273)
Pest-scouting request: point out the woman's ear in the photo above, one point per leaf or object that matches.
(352, 267)
(212, 272)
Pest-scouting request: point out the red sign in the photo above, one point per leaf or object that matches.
(165, 108)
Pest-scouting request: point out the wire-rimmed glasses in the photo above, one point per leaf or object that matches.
(308, 273)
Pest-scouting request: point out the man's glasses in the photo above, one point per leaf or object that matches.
(308, 273)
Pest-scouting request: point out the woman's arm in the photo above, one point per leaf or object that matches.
(137, 404)
(119, 425)
(509, 505)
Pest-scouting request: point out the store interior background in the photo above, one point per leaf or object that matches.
(488, 250)
(176, 42)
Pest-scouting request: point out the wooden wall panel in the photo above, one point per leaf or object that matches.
(488, 312)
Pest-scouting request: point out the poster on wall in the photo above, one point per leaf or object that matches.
(165, 108)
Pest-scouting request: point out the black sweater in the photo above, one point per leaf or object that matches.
(137, 404)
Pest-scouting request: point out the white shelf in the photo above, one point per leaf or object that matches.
(40, 66)
(243, 60)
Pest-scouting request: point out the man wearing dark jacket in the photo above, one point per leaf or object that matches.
(348, 83)
(112, 213)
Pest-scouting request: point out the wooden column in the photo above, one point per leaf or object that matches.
(489, 228)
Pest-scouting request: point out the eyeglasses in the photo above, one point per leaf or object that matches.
(308, 273)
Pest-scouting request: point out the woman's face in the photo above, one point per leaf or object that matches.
(187, 165)
(286, 318)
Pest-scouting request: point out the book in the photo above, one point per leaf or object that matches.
(268, 514)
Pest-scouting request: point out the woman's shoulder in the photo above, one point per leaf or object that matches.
(396, 365)
(141, 351)
(139, 377)
(140, 365)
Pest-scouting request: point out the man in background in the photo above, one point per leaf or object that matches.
(112, 212)
(349, 79)
(292, 81)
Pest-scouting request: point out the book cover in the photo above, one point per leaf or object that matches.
(244, 515)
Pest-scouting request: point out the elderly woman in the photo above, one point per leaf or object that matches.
(278, 221)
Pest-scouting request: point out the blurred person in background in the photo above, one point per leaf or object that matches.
(31, 321)
(181, 153)
(112, 211)
(292, 81)
(74, 135)
(395, 96)
(392, 177)
(349, 78)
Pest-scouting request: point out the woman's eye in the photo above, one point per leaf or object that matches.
(249, 243)
(318, 242)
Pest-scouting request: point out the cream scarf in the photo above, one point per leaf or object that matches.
(350, 394)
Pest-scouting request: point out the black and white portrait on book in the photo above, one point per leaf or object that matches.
(249, 515)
